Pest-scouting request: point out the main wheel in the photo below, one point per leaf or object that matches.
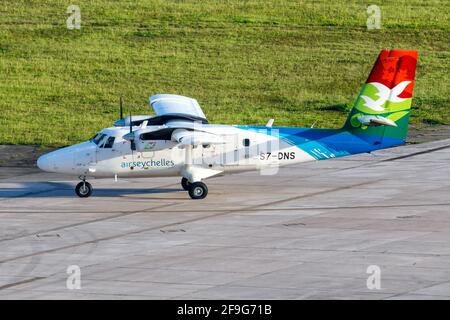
(185, 183)
(83, 189)
(198, 190)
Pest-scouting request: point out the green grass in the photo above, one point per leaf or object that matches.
(244, 61)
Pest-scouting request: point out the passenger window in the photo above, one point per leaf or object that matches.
(109, 142)
(246, 142)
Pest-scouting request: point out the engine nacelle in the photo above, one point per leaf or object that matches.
(153, 145)
(148, 139)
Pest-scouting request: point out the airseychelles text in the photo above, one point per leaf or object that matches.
(149, 163)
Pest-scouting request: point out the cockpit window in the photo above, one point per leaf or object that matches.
(99, 137)
(109, 142)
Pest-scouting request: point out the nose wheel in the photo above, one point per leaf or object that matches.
(198, 190)
(83, 189)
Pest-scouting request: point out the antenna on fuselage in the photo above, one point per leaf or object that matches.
(132, 143)
(121, 108)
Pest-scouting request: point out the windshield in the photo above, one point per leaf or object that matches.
(99, 137)
(91, 139)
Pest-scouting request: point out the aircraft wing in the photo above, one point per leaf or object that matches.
(175, 105)
(189, 137)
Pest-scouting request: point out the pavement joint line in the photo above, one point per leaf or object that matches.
(28, 194)
(308, 208)
(18, 283)
(182, 222)
(118, 215)
(363, 250)
(312, 288)
(57, 187)
(17, 175)
(390, 159)
(417, 153)
(104, 269)
(428, 286)
(418, 295)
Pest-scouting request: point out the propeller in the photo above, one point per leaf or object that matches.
(130, 137)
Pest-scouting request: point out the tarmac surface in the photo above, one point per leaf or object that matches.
(313, 231)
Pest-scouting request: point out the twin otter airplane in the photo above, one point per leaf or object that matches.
(179, 141)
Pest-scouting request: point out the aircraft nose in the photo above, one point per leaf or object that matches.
(56, 161)
(62, 160)
(44, 163)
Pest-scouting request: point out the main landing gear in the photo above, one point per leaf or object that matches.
(185, 184)
(197, 190)
(83, 189)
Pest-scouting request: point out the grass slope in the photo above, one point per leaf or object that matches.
(244, 61)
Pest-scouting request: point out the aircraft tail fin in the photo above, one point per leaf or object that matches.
(383, 106)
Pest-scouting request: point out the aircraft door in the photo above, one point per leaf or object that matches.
(244, 151)
(107, 149)
(210, 156)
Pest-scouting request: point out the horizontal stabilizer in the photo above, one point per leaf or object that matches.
(376, 121)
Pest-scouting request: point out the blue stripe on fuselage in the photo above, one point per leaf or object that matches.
(327, 143)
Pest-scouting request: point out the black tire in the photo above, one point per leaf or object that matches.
(198, 190)
(185, 184)
(83, 189)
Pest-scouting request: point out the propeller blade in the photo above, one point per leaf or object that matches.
(130, 135)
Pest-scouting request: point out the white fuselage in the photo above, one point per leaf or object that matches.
(243, 150)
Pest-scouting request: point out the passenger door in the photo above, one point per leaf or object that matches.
(210, 157)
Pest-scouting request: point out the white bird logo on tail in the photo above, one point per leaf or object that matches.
(385, 94)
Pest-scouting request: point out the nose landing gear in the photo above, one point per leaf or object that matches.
(83, 189)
